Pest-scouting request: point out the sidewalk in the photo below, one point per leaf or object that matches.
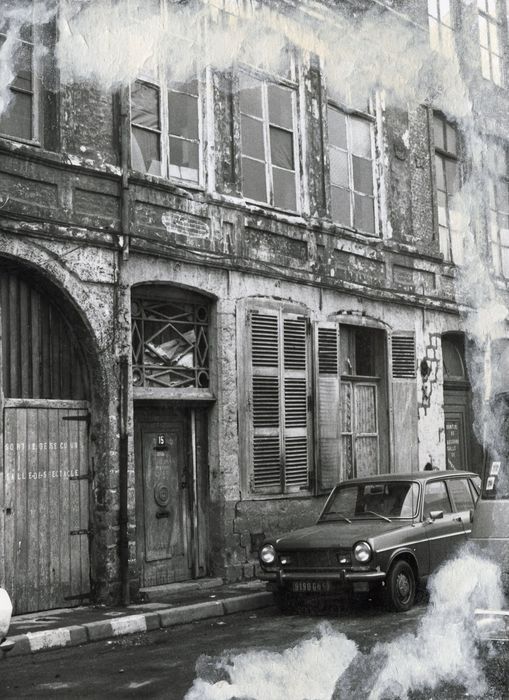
(166, 606)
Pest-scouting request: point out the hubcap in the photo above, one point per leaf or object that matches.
(403, 586)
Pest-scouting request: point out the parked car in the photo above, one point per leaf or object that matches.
(5, 620)
(384, 533)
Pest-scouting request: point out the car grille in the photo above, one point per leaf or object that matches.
(316, 559)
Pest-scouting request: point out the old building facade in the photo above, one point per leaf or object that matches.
(221, 295)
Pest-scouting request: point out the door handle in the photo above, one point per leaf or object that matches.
(183, 484)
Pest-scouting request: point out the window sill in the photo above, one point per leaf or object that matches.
(249, 496)
(25, 142)
(259, 209)
(183, 187)
(141, 393)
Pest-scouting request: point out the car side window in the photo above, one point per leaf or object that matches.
(461, 495)
(475, 485)
(436, 498)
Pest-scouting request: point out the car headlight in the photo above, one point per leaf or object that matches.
(362, 552)
(267, 554)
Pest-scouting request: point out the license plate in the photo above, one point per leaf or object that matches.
(311, 586)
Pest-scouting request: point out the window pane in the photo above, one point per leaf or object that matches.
(451, 174)
(23, 67)
(250, 96)
(280, 106)
(445, 13)
(442, 209)
(450, 133)
(183, 115)
(434, 34)
(493, 30)
(184, 153)
(461, 494)
(17, 120)
(281, 148)
(496, 68)
(485, 64)
(436, 498)
(432, 8)
(361, 137)
(438, 131)
(145, 153)
(337, 128)
(505, 262)
(503, 223)
(491, 6)
(495, 253)
(253, 180)
(340, 206)
(145, 105)
(362, 175)
(483, 31)
(284, 189)
(339, 167)
(252, 137)
(364, 216)
(439, 172)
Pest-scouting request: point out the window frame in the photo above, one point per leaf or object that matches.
(446, 47)
(496, 21)
(163, 84)
(266, 78)
(446, 156)
(497, 184)
(370, 118)
(35, 92)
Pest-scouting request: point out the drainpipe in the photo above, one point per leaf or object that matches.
(124, 398)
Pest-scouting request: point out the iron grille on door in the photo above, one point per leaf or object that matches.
(170, 343)
(280, 402)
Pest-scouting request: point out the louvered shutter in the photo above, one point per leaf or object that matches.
(297, 419)
(265, 402)
(404, 398)
(327, 386)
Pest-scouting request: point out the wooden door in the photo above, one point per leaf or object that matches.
(359, 429)
(46, 504)
(164, 484)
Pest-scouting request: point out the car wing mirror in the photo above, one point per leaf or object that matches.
(436, 514)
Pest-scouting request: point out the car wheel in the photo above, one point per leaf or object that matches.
(400, 587)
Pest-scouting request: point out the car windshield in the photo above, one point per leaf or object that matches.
(374, 500)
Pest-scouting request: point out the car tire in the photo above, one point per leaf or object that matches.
(400, 587)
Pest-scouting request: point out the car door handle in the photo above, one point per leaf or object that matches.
(458, 519)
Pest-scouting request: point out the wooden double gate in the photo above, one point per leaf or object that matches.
(45, 510)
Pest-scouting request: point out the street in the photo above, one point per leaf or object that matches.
(162, 664)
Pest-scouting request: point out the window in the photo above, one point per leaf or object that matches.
(441, 29)
(19, 119)
(170, 341)
(352, 194)
(489, 41)
(499, 214)
(461, 494)
(447, 185)
(436, 498)
(279, 402)
(268, 141)
(165, 129)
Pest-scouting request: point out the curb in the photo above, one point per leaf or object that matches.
(43, 640)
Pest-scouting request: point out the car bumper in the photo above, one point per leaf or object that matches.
(344, 576)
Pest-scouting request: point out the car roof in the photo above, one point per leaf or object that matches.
(411, 476)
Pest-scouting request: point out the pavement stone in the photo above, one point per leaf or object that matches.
(165, 607)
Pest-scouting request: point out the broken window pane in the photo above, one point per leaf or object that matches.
(23, 67)
(252, 137)
(281, 148)
(361, 137)
(284, 188)
(145, 153)
(364, 216)
(340, 206)
(451, 138)
(145, 105)
(439, 173)
(253, 180)
(362, 175)
(183, 115)
(451, 174)
(280, 106)
(438, 132)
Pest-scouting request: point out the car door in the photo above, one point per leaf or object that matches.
(462, 501)
(446, 533)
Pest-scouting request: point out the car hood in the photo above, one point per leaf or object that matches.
(336, 534)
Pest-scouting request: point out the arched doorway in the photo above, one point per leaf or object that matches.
(44, 393)
(462, 448)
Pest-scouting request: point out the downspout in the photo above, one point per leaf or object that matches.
(124, 342)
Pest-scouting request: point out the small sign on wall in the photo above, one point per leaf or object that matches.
(161, 442)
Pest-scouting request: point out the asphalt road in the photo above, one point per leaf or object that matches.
(163, 664)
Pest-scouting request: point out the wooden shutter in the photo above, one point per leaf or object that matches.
(327, 386)
(297, 424)
(265, 402)
(404, 397)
